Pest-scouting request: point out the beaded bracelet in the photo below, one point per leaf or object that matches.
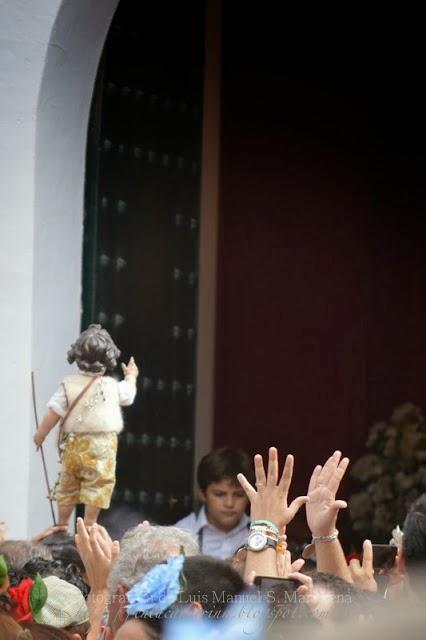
(330, 538)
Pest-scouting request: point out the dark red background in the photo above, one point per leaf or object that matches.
(321, 305)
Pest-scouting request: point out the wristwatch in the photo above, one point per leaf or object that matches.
(257, 541)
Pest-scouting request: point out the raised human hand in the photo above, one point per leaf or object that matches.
(363, 573)
(98, 553)
(319, 600)
(398, 585)
(270, 500)
(285, 566)
(130, 369)
(322, 508)
(306, 587)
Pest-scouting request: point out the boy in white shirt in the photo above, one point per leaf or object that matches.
(221, 525)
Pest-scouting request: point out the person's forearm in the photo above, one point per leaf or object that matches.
(331, 559)
(263, 563)
(50, 419)
(97, 602)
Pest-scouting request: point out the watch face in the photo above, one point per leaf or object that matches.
(256, 541)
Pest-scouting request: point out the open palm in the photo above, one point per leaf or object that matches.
(322, 508)
(269, 501)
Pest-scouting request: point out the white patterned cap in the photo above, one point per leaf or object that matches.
(65, 605)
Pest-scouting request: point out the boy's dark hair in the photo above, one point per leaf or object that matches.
(94, 350)
(224, 463)
(414, 540)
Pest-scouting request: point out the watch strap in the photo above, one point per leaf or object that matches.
(270, 544)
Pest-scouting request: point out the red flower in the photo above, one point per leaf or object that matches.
(20, 597)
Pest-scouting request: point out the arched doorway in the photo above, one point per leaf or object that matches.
(72, 48)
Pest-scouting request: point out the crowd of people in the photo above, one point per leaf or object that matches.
(223, 572)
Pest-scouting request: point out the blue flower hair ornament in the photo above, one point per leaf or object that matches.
(158, 590)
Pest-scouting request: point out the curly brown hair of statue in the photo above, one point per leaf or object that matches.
(94, 350)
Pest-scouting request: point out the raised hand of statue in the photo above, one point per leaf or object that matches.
(130, 369)
(270, 500)
(38, 439)
(322, 508)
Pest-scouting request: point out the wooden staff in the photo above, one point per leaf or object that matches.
(46, 477)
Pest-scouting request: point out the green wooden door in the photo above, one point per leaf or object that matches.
(141, 238)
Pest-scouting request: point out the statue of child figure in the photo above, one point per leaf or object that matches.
(88, 405)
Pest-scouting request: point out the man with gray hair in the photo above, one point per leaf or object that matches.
(141, 548)
(122, 566)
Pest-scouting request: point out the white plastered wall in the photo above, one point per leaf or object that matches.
(49, 54)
